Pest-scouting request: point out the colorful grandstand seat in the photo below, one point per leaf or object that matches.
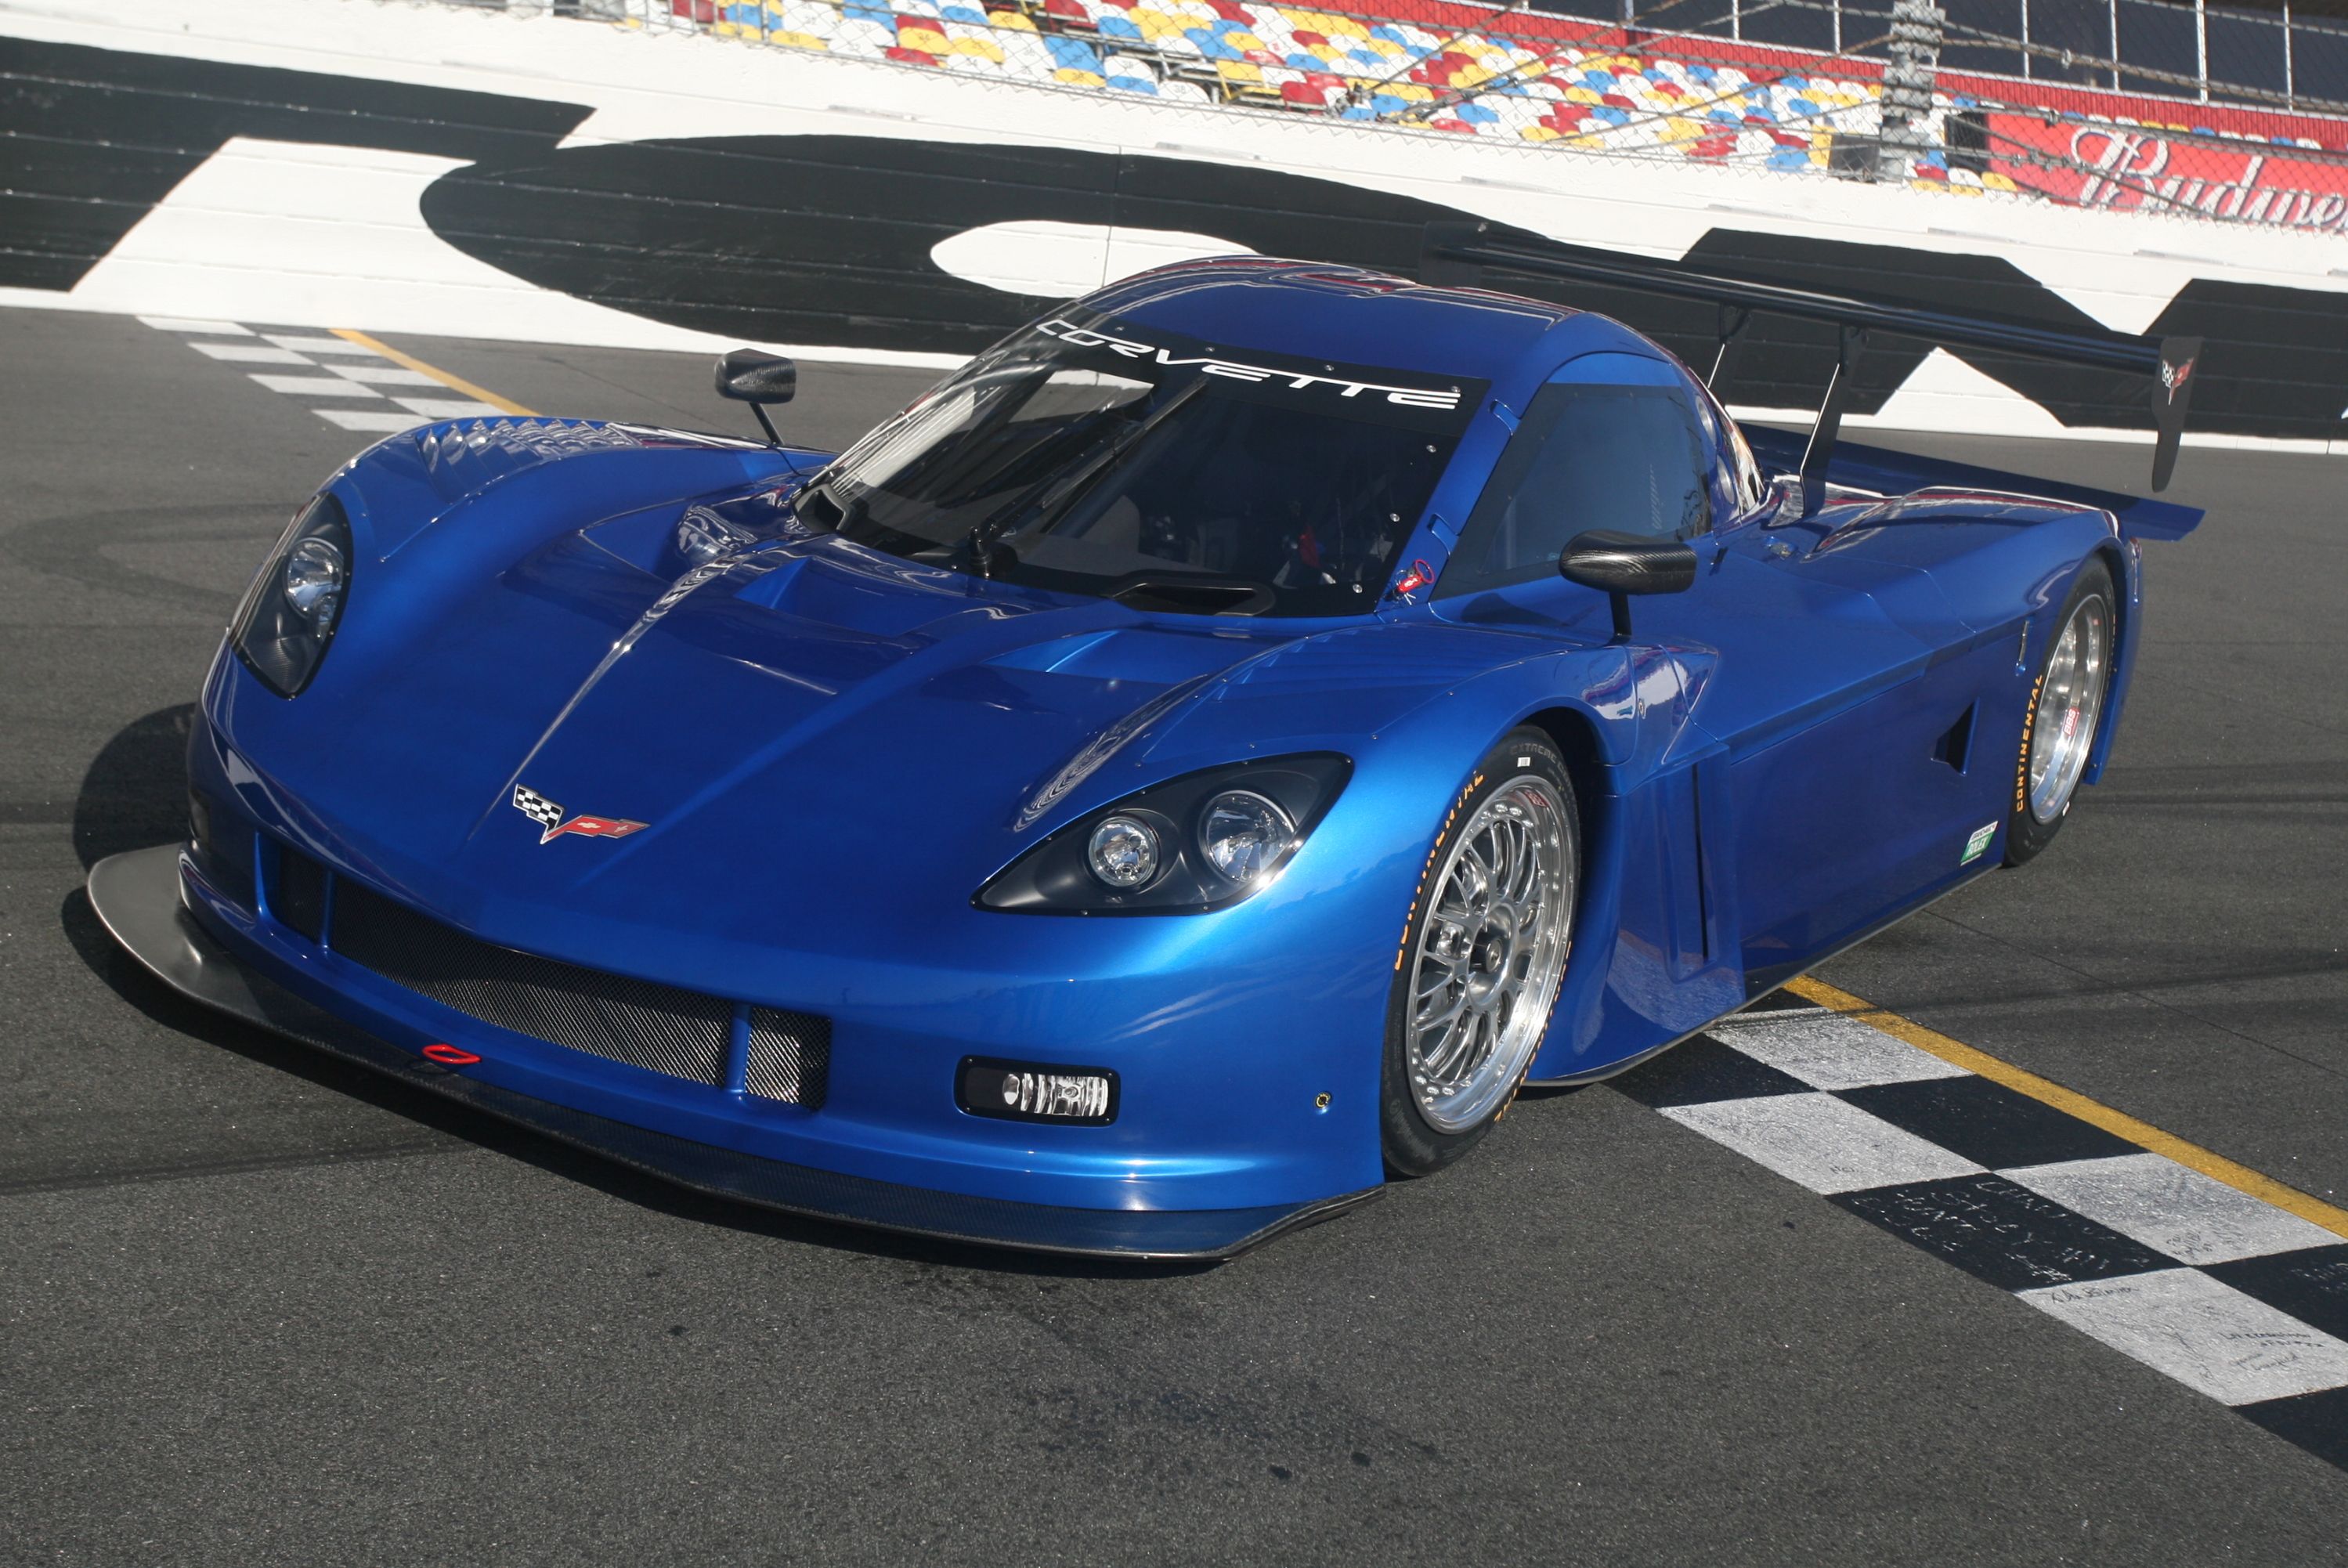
(973, 42)
(1201, 51)
(1072, 54)
(924, 34)
(866, 37)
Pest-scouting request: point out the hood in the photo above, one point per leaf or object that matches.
(411, 480)
(808, 716)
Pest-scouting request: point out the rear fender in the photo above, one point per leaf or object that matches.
(1979, 547)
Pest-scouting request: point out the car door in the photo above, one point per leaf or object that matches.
(1815, 815)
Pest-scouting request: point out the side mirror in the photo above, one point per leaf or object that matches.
(1620, 564)
(749, 376)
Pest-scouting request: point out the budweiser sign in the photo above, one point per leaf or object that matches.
(2125, 167)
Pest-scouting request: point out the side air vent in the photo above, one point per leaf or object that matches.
(1953, 744)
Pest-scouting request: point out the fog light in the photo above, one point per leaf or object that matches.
(1033, 1091)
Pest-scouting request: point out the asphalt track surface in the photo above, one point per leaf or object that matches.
(256, 1308)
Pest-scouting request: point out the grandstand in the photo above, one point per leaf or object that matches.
(1570, 85)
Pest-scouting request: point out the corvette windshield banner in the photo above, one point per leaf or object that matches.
(1358, 391)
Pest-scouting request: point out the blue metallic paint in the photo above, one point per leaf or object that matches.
(835, 749)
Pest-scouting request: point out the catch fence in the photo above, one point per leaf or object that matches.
(2187, 110)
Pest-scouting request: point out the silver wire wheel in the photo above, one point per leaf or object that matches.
(2070, 702)
(1484, 972)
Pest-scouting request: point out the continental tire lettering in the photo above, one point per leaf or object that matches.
(2029, 728)
(1410, 915)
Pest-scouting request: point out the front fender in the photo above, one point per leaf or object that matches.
(1655, 950)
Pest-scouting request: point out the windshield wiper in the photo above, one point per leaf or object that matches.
(979, 545)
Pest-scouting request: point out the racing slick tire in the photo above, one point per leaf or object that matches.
(2066, 706)
(1483, 955)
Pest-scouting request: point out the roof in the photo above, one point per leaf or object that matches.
(1314, 309)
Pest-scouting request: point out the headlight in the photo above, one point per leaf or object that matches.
(1243, 835)
(1123, 852)
(1199, 842)
(290, 612)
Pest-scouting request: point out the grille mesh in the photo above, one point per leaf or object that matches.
(660, 1027)
(790, 1056)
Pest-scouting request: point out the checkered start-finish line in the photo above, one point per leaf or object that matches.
(2228, 1295)
(349, 382)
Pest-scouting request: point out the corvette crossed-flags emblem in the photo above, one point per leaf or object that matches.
(549, 815)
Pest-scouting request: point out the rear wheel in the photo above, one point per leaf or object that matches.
(1482, 956)
(2067, 704)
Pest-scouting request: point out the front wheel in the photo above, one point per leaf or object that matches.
(2067, 704)
(1483, 955)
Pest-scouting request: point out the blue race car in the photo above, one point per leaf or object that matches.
(1198, 761)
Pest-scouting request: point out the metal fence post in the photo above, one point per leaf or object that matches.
(1915, 56)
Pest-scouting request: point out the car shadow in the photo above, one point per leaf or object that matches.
(134, 795)
(135, 791)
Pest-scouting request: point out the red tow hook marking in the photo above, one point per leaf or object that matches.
(450, 1056)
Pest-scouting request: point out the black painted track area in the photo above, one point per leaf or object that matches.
(256, 1308)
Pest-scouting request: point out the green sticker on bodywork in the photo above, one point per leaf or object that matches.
(1977, 843)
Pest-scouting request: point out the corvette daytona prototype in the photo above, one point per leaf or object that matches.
(1198, 763)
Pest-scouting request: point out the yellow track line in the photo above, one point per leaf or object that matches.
(453, 383)
(2241, 1178)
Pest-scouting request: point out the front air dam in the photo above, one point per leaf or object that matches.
(138, 897)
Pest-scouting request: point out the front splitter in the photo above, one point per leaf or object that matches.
(138, 896)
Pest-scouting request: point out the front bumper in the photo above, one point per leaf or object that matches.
(143, 900)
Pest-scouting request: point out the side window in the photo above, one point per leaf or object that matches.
(1589, 454)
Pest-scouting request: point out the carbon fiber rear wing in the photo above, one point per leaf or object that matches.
(1462, 252)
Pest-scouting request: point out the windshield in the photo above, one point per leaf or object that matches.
(1132, 463)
